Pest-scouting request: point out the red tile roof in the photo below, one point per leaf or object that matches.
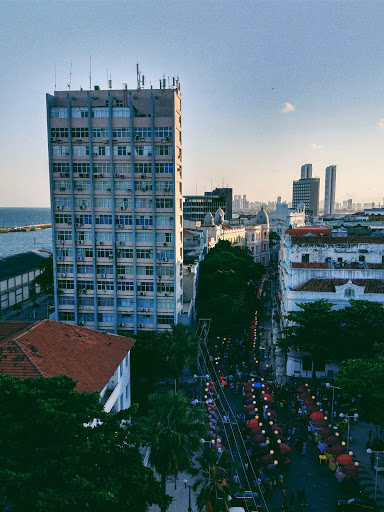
(328, 285)
(332, 240)
(189, 233)
(47, 348)
(305, 230)
(376, 265)
(299, 264)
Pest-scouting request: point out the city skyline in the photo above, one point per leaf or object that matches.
(266, 88)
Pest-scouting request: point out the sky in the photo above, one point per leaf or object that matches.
(267, 86)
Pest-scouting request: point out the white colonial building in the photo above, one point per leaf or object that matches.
(316, 265)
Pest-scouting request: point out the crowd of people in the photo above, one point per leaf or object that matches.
(272, 418)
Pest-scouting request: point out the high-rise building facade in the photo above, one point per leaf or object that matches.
(115, 165)
(330, 189)
(306, 190)
(196, 207)
(306, 171)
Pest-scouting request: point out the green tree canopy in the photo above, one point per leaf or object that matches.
(50, 460)
(328, 334)
(45, 279)
(274, 238)
(215, 481)
(176, 430)
(365, 377)
(228, 282)
(314, 329)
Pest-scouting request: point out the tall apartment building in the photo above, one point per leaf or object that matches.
(306, 190)
(306, 171)
(116, 203)
(330, 189)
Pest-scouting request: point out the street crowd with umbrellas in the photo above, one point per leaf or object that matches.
(275, 421)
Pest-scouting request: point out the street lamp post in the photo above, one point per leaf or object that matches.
(189, 495)
(328, 385)
(377, 464)
(355, 417)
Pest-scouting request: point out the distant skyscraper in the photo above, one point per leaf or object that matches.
(306, 190)
(330, 188)
(306, 171)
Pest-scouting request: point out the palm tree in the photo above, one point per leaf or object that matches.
(215, 470)
(182, 348)
(176, 433)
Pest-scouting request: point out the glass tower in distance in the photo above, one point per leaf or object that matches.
(115, 167)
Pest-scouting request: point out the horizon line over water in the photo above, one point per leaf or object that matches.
(19, 242)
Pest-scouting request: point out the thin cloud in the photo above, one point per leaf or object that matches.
(315, 146)
(288, 107)
(380, 124)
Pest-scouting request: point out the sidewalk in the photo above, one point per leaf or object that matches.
(367, 477)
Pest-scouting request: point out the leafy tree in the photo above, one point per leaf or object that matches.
(314, 329)
(365, 377)
(335, 335)
(176, 431)
(215, 481)
(50, 460)
(228, 283)
(181, 346)
(45, 279)
(361, 327)
(274, 238)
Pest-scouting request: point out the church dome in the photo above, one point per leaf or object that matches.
(262, 217)
(208, 219)
(219, 217)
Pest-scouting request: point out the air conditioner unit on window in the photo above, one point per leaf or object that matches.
(116, 175)
(143, 176)
(59, 207)
(61, 257)
(146, 309)
(141, 325)
(103, 275)
(142, 293)
(81, 242)
(121, 325)
(81, 323)
(63, 275)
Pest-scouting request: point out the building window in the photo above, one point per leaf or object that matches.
(68, 316)
(98, 133)
(164, 203)
(164, 168)
(79, 112)
(349, 292)
(59, 133)
(59, 112)
(164, 131)
(125, 286)
(305, 258)
(361, 258)
(165, 319)
(143, 167)
(120, 112)
(142, 132)
(100, 112)
(80, 132)
(105, 285)
(145, 286)
(121, 133)
(163, 150)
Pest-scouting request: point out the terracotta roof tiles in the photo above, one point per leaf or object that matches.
(52, 348)
(328, 285)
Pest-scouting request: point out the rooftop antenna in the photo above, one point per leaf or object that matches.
(138, 76)
(70, 77)
(90, 71)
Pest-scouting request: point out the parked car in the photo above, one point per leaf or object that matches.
(357, 505)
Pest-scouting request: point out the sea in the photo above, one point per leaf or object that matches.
(15, 243)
